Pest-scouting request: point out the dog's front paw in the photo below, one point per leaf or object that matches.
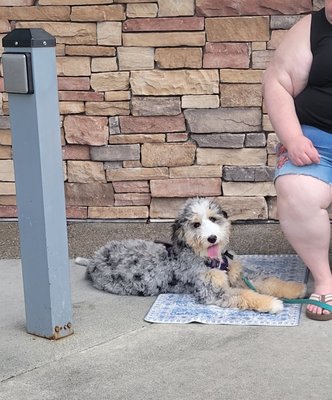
(276, 306)
(268, 304)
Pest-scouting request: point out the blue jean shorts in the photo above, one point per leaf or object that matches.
(322, 141)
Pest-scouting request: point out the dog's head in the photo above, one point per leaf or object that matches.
(201, 225)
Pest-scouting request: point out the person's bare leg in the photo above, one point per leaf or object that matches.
(302, 202)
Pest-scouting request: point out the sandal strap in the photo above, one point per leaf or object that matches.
(317, 303)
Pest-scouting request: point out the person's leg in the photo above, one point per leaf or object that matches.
(301, 203)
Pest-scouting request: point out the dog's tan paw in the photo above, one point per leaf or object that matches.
(276, 306)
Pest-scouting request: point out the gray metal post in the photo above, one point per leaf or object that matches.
(29, 65)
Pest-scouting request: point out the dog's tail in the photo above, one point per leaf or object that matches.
(82, 261)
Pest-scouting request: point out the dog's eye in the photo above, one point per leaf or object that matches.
(196, 224)
(213, 219)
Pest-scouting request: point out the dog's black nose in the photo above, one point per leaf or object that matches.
(212, 239)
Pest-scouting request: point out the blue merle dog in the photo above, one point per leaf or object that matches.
(197, 262)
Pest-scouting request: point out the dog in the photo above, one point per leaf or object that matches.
(197, 262)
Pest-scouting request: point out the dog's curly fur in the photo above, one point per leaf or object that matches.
(147, 268)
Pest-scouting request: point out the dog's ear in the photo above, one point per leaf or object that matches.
(178, 234)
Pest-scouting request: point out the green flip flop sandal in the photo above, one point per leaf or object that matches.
(321, 298)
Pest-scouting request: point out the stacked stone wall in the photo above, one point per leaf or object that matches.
(160, 100)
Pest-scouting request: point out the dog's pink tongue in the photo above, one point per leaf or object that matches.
(213, 251)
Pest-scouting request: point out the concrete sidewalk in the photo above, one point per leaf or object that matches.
(115, 355)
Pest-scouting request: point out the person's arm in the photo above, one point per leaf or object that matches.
(286, 76)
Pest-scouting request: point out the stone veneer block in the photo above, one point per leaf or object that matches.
(114, 125)
(115, 152)
(257, 139)
(137, 138)
(261, 59)
(179, 82)
(240, 95)
(133, 212)
(195, 171)
(19, 3)
(132, 199)
(7, 188)
(48, 13)
(7, 171)
(4, 122)
(176, 8)
(248, 189)
(160, 124)
(131, 187)
(243, 29)
(135, 58)
(120, 95)
(5, 153)
(73, 83)
(86, 130)
(89, 194)
(273, 211)
(109, 33)
(223, 120)
(104, 64)
(107, 108)
(8, 200)
(186, 187)
(76, 212)
(108, 12)
(272, 142)
(145, 106)
(136, 174)
(200, 101)
(80, 96)
(142, 10)
(226, 55)
(284, 21)
(75, 152)
(85, 171)
(166, 207)
(8, 212)
(110, 81)
(222, 140)
(92, 51)
(5, 137)
(214, 8)
(134, 1)
(164, 24)
(231, 156)
(164, 39)
(71, 107)
(73, 66)
(167, 154)
(4, 25)
(172, 58)
(240, 76)
(65, 32)
(244, 208)
(248, 174)
(73, 2)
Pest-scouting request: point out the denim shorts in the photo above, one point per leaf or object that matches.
(322, 141)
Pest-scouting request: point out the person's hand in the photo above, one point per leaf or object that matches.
(301, 151)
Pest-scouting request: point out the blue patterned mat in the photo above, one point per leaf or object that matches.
(183, 309)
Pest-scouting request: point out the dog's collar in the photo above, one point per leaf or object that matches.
(221, 264)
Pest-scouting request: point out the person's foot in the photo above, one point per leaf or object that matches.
(322, 293)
